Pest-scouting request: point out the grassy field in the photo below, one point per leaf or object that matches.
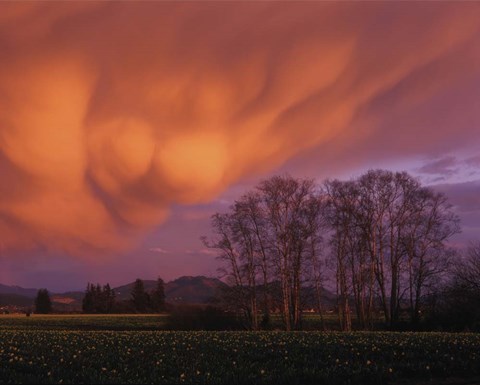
(117, 322)
(127, 322)
(60, 349)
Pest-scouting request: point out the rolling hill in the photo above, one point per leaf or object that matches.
(198, 289)
(183, 290)
(17, 290)
(191, 290)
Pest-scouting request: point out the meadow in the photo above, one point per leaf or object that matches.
(118, 322)
(33, 353)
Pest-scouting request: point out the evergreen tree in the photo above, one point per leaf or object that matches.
(158, 297)
(98, 300)
(88, 302)
(109, 298)
(43, 304)
(140, 298)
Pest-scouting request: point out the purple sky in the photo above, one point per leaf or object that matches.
(125, 126)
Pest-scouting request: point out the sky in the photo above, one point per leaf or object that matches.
(124, 126)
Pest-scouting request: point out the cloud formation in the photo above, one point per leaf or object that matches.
(443, 166)
(112, 112)
(159, 250)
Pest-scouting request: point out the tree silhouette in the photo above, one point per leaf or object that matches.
(43, 304)
(98, 300)
(389, 241)
(108, 296)
(384, 235)
(270, 236)
(158, 297)
(88, 302)
(140, 298)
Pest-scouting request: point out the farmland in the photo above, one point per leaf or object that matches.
(130, 322)
(37, 354)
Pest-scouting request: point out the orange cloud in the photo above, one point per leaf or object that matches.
(112, 112)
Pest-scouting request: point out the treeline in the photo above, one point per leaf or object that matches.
(98, 299)
(381, 240)
(102, 300)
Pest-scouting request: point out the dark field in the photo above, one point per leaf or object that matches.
(126, 349)
(83, 322)
(131, 322)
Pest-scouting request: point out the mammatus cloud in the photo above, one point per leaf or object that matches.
(112, 112)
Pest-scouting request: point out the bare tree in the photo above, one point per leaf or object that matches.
(467, 270)
(226, 242)
(270, 235)
(339, 214)
(240, 238)
(389, 239)
(315, 221)
(457, 306)
(286, 201)
(431, 224)
(250, 208)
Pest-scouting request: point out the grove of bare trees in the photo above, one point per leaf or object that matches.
(388, 235)
(380, 241)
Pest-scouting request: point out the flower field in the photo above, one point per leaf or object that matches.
(68, 356)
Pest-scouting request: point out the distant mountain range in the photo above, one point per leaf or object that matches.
(191, 290)
(17, 290)
(187, 290)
